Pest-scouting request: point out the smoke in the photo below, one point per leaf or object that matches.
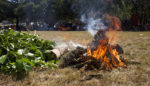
(68, 45)
(93, 24)
(91, 13)
(62, 45)
(75, 45)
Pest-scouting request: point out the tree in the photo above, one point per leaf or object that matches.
(6, 12)
(60, 10)
(18, 12)
(141, 7)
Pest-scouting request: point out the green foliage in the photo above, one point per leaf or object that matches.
(122, 8)
(6, 10)
(20, 52)
(51, 11)
(125, 8)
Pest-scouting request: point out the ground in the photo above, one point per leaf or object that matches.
(136, 50)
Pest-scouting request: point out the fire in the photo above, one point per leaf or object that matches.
(108, 56)
(106, 51)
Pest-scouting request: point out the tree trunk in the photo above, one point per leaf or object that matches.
(17, 23)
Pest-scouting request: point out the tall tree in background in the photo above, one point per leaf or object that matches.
(122, 8)
(3, 10)
(126, 9)
(18, 11)
(51, 11)
(142, 8)
(6, 10)
(62, 9)
(35, 10)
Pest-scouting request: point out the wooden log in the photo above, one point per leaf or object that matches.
(59, 50)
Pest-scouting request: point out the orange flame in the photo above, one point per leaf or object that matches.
(105, 52)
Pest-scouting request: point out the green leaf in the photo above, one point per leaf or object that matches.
(20, 51)
(3, 58)
(47, 51)
(19, 66)
(27, 61)
(12, 45)
(52, 61)
(29, 54)
(27, 67)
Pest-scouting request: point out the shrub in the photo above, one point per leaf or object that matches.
(20, 52)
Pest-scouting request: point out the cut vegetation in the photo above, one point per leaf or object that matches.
(20, 52)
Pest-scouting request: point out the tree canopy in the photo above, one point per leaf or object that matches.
(51, 11)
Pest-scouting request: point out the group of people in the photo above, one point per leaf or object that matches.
(8, 27)
(114, 24)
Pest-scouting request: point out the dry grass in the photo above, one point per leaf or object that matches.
(136, 50)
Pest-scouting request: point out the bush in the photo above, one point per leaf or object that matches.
(20, 52)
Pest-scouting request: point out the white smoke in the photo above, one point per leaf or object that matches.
(68, 45)
(75, 45)
(93, 24)
(61, 45)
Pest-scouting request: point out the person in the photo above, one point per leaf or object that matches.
(134, 21)
(14, 27)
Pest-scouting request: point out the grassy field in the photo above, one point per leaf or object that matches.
(136, 47)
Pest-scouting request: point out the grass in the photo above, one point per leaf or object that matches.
(136, 50)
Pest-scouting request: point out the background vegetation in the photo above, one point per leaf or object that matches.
(50, 11)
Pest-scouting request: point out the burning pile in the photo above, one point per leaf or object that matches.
(106, 52)
(102, 53)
